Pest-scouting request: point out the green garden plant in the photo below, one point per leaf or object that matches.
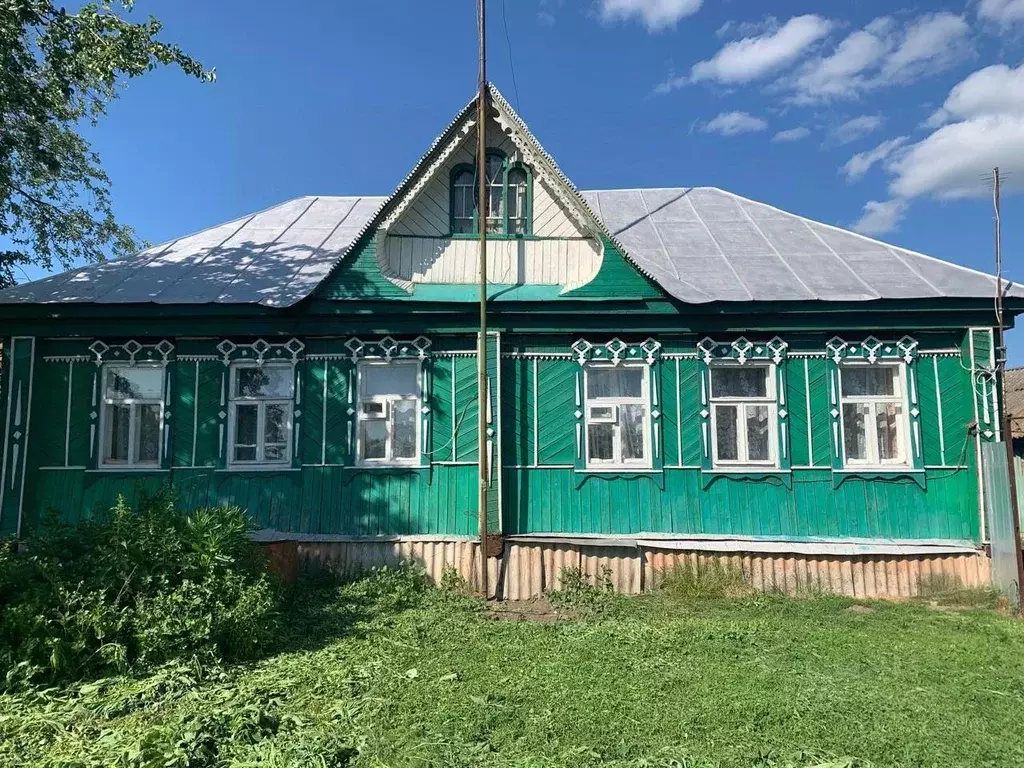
(133, 589)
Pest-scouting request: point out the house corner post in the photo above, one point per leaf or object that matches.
(19, 353)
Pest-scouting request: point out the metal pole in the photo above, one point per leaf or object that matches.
(1001, 379)
(481, 356)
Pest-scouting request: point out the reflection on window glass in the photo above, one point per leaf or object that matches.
(873, 415)
(132, 415)
(261, 407)
(617, 413)
(743, 414)
(389, 411)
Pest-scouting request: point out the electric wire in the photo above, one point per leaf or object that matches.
(511, 64)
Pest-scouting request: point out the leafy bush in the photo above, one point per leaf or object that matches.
(576, 591)
(133, 589)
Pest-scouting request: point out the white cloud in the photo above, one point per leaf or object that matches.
(741, 61)
(1005, 12)
(733, 123)
(985, 128)
(931, 43)
(840, 74)
(862, 162)
(882, 54)
(952, 161)
(880, 217)
(995, 90)
(657, 15)
(856, 128)
(792, 134)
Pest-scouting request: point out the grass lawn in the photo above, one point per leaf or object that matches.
(385, 672)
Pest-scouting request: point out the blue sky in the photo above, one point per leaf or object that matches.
(820, 109)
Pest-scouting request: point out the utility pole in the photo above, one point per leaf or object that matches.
(1001, 379)
(481, 355)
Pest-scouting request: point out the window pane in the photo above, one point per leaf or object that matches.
(601, 440)
(614, 382)
(275, 428)
(374, 437)
(855, 423)
(142, 383)
(495, 166)
(631, 422)
(268, 381)
(116, 440)
(464, 178)
(245, 425)
(404, 439)
(863, 380)
(887, 417)
(739, 381)
(517, 201)
(399, 379)
(147, 441)
(245, 453)
(757, 433)
(725, 433)
(274, 452)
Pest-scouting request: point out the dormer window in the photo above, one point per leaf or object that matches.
(508, 197)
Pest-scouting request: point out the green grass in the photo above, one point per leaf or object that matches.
(387, 672)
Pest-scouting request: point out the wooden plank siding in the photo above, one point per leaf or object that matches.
(542, 489)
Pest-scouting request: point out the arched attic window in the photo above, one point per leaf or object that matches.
(509, 193)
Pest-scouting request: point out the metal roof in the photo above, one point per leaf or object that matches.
(700, 244)
(704, 244)
(275, 258)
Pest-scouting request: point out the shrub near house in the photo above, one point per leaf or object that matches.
(133, 589)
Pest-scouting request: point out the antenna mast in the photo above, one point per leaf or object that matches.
(483, 401)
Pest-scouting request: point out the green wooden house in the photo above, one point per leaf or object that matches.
(673, 373)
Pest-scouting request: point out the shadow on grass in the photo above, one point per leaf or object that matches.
(322, 608)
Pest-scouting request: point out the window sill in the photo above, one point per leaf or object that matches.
(887, 474)
(769, 475)
(250, 468)
(127, 471)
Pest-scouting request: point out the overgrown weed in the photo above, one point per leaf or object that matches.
(947, 589)
(584, 595)
(704, 579)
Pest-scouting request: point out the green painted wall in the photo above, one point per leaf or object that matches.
(541, 491)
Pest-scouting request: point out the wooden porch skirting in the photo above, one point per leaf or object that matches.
(529, 568)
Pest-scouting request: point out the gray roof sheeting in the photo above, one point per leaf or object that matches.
(700, 244)
(704, 244)
(275, 258)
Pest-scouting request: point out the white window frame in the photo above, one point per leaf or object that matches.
(615, 403)
(902, 424)
(740, 403)
(387, 405)
(134, 403)
(261, 402)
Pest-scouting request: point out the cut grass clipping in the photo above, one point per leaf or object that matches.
(389, 671)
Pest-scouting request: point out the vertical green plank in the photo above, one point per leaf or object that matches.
(465, 408)
(21, 363)
(796, 386)
(50, 417)
(817, 385)
(206, 434)
(517, 411)
(555, 408)
(312, 445)
(670, 402)
(932, 437)
(955, 393)
(690, 408)
(340, 437)
(442, 409)
(187, 375)
(495, 428)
